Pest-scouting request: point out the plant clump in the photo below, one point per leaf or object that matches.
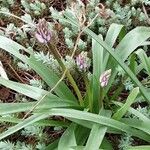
(74, 74)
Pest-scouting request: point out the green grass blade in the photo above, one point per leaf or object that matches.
(51, 79)
(106, 144)
(131, 41)
(30, 91)
(89, 125)
(144, 147)
(97, 51)
(134, 112)
(48, 75)
(52, 146)
(27, 90)
(44, 123)
(49, 101)
(111, 37)
(121, 63)
(81, 148)
(75, 114)
(9, 108)
(68, 139)
(24, 123)
(117, 58)
(113, 33)
(144, 60)
(143, 126)
(12, 47)
(97, 134)
(122, 111)
(70, 113)
(81, 134)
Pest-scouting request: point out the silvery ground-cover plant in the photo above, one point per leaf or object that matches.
(75, 74)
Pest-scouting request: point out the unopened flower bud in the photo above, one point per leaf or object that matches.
(83, 62)
(43, 34)
(104, 78)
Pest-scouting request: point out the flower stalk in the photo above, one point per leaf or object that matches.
(44, 35)
(69, 76)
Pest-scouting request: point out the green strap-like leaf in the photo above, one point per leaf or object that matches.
(53, 145)
(27, 90)
(12, 47)
(116, 57)
(145, 60)
(30, 91)
(113, 33)
(134, 112)
(49, 76)
(51, 79)
(121, 63)
(70, 113)
(121, 112)
(111, 37)
(97, 51)
(68, 139)
(144, 147)
(81, 148)
(9, 108)
(138, 124)
(75, 114)
(81, 134)
(131, 41)
(43, 123)
(97, 134)
(26, 122)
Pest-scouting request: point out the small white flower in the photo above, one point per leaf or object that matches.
(104, 78)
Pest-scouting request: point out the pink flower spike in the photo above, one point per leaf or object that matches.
(39, 38)
(43, 34)
(83, 62)
(104, 78)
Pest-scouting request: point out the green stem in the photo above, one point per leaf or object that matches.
(86, 81)
(101, 98)
(69, 76)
